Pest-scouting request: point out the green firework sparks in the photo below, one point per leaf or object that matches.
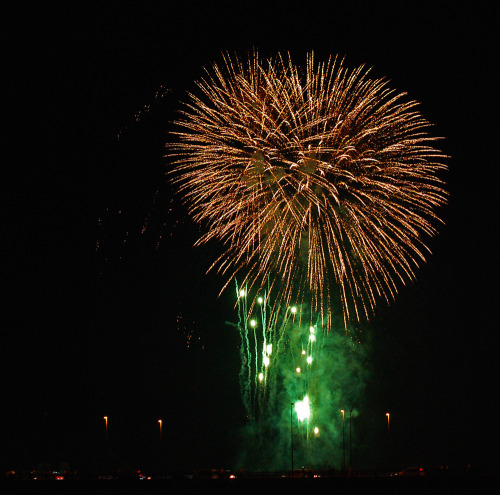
(295, 379)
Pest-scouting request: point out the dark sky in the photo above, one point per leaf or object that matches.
(89, 334)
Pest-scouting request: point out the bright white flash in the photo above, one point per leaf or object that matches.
(302, 409)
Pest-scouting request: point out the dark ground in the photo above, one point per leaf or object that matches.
(430, 486)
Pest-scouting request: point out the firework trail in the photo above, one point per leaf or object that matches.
(295, 373)
(260, 351)
(321, 184)
(265, 344)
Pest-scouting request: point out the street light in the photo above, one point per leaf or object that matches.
(291, 436)
(160, 422)
(343, 440)
(350, 438)
(106, 426)
(388, 439)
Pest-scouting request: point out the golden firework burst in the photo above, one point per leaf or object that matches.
(319, 183)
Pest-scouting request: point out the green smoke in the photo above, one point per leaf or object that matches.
(297, 394)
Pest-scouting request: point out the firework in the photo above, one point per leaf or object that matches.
(299, 374)
(320, 184)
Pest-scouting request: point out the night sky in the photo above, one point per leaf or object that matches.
(134, 329)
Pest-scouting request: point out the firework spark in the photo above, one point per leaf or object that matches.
(283, 365)
(317, 182)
